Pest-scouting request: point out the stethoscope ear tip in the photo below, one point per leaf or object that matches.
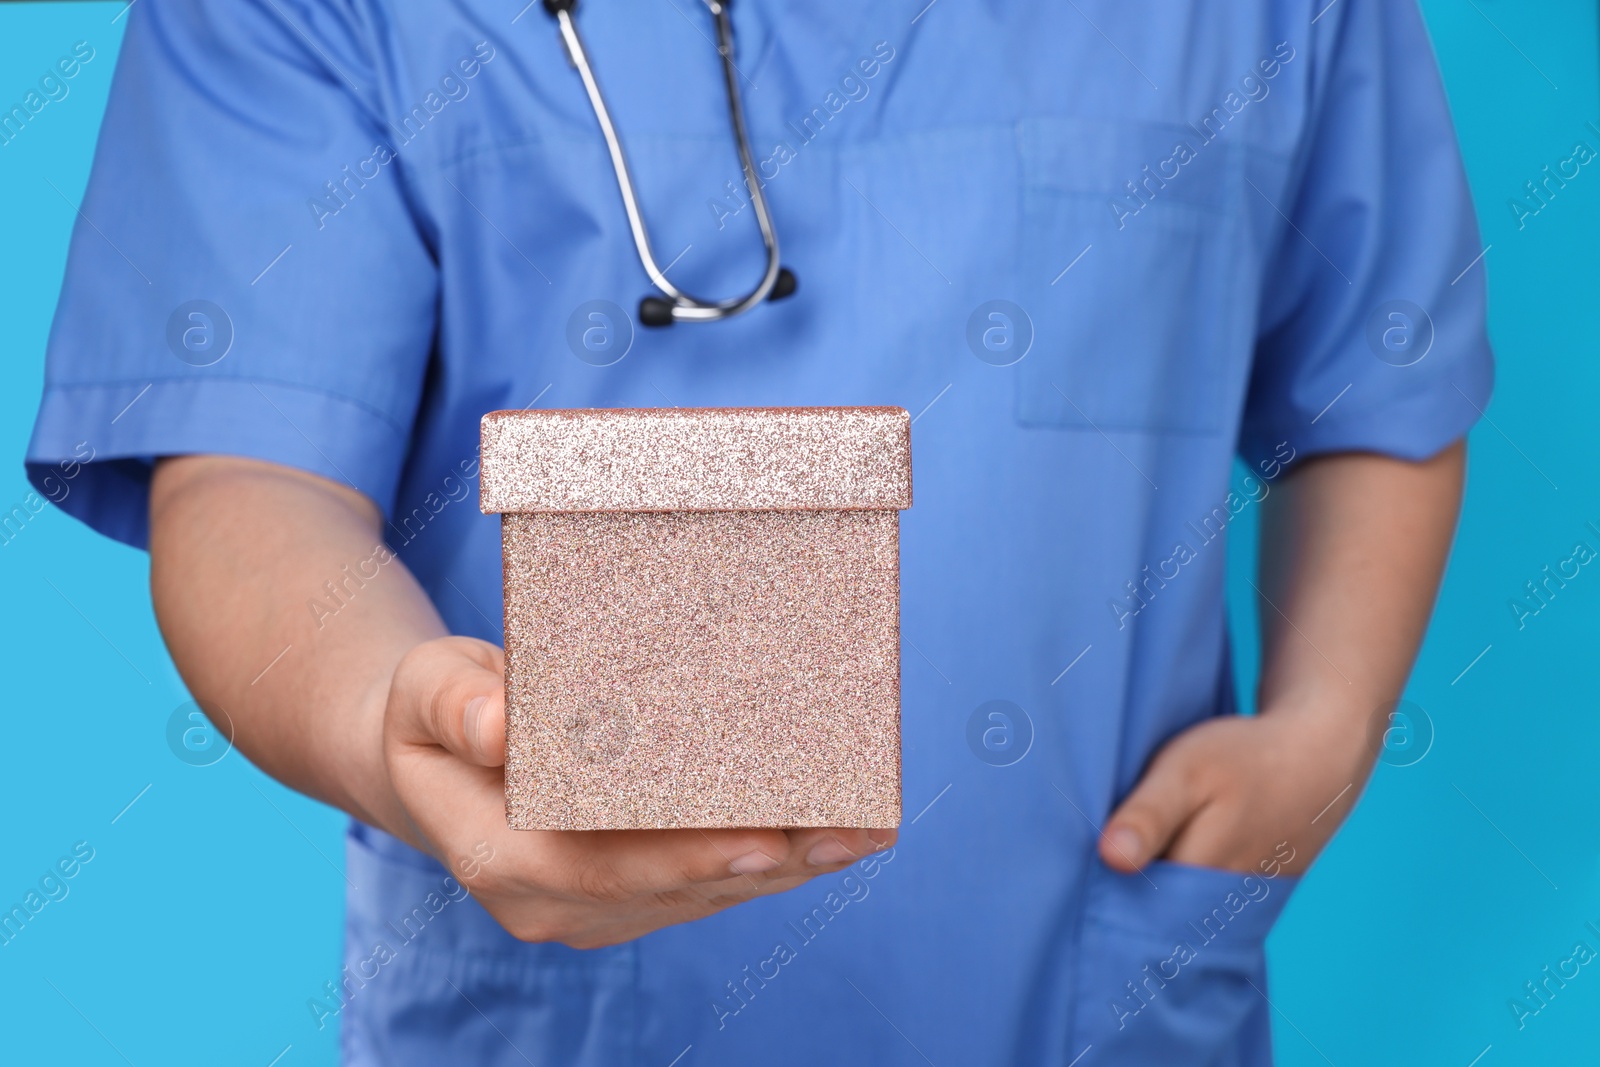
(785, 284)
(655, 311)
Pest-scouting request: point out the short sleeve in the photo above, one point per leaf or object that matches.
(1372, 334)
(247, 274)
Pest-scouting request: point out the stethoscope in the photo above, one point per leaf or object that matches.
(678, 306)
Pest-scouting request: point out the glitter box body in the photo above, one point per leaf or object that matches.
(702, 614)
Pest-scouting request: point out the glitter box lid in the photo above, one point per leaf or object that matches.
(696, 459)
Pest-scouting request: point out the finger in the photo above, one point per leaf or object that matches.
(451, 693)
(623, 864)
(617, 865)
(1151, 816)
(835, 846)
(808, 858)
(812, 852)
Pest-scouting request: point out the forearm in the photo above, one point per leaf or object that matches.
(240, 554)
(1353, 548)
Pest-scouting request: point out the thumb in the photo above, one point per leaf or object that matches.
(450, 693)
(1150, 817)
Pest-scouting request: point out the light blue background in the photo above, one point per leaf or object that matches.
(211, 911)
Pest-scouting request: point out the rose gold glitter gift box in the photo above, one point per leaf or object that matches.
(702, 615)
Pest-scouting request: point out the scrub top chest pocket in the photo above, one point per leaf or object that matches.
(1130, 249)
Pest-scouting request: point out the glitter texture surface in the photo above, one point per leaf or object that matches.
(695, 667)
(696, 459)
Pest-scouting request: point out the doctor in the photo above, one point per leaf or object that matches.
(1098, 250)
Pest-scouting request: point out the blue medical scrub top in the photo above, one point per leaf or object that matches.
(1097, 249)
